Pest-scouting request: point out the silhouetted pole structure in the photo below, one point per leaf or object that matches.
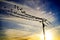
(43, 25)
(24, 15)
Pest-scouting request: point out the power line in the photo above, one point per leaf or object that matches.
(26, 16)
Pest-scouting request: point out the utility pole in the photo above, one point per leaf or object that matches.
(43, 25)
(26, 16)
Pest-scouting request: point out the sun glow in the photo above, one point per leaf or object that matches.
(48, 36)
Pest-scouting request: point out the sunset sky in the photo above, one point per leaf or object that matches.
(15, 28)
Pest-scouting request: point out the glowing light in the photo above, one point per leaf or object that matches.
(48, 36)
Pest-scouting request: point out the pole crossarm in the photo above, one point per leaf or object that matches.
(23, 15)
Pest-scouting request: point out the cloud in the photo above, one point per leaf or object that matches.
(28, 25)
(57, 28)
(18, 34)
(32, 3)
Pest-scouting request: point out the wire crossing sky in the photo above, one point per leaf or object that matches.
(46, 5)
(39, 9)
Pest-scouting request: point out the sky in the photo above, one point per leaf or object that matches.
(18, 27)
(46, 5)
